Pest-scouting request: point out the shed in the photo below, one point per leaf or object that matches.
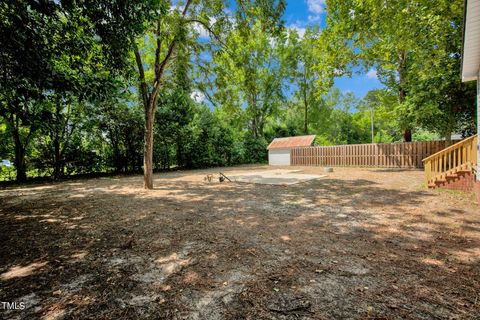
(279, 148)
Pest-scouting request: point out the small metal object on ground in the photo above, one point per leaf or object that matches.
(328, 169)
(223, 177)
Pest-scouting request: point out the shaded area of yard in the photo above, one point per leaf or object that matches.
(356, 244)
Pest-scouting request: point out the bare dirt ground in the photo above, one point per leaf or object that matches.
(356, 244)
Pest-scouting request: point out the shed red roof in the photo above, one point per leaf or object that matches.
(291, 142)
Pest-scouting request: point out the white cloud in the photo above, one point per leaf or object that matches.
(202, 31)
(372, 74)
(316, 6)
(174, 7)
(272, 41)
(337, 72)
(296, 27)
(314, 19)
(197, 96)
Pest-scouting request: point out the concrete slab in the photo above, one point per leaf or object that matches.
(275, 177)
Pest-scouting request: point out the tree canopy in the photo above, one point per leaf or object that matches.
(128, 86)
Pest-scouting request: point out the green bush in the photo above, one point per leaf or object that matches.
(211, 142)
(255, 149)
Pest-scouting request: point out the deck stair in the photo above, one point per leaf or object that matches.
(451, 163)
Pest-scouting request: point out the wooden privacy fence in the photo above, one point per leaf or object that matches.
(394, 155)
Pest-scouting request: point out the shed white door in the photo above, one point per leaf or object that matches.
(279, 157)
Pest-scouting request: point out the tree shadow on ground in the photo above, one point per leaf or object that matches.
(327, 248)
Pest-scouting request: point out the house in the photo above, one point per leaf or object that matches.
(471, 63)
(279, 148)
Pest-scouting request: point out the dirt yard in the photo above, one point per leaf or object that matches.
(356, 244)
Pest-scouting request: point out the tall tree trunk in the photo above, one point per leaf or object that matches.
(305, 102)
(127, 154)
(116, 155)
(56, 142)
(20, 163)
(402, 93)
(56, 159)
(448, 138)
(371, 125)
(448, 134)
(254, 127)
(305, 120)
(19, 151)
(180, 162)
(407, 133)
(451, 125)
(148, 148)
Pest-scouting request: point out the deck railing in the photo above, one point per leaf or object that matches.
(461, 156)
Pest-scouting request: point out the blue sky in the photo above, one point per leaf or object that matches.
(301, 13)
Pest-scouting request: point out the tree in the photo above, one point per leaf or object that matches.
(170, 31)
(176, 114)
(120, 124)
(25, 71)
(211, 142)
(59, 124)
(378, 106)
(388, 37)
(443, 104)
(249, 76)
(46, 52)
(302, 61)
(344, 125)
(149, 93)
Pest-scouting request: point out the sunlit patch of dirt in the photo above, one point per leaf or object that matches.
(79, 255)
(22, 271)
(467, 255)
(54, 313)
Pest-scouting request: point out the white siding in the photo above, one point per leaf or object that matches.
(279, 157)
(471, 47)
